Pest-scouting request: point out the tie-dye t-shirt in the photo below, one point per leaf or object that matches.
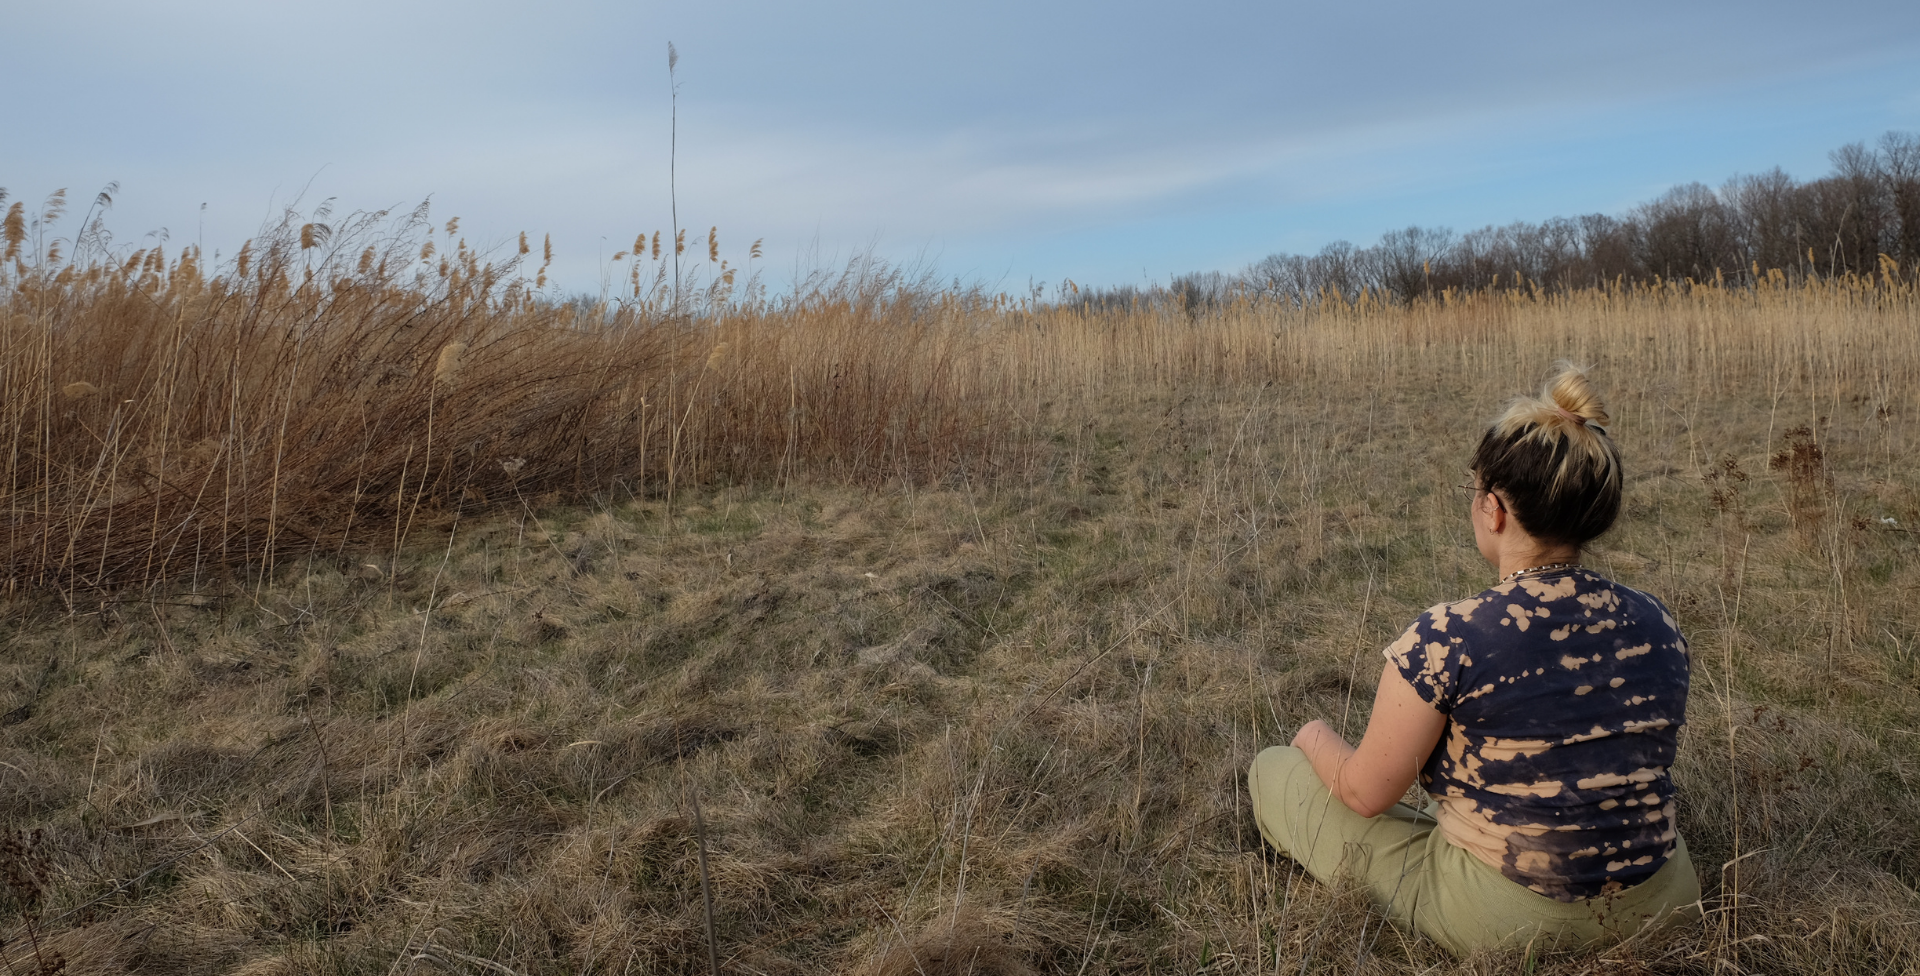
(1564, 695)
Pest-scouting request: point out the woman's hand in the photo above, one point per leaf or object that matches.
(1400, 735)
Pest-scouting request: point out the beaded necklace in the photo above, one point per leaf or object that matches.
(1542, 568)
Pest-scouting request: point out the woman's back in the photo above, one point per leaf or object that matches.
(1541, 715)
(1564, 693)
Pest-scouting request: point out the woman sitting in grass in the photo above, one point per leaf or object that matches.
(1540, 715)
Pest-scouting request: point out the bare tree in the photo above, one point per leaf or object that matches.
(1900, 164)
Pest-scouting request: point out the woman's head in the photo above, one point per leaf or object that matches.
(1551, 461)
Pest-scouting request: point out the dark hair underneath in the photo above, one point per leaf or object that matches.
(1551, 458)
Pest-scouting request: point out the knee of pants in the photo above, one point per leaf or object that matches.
(1280, 763)
(1268, 782)
(1274, 760)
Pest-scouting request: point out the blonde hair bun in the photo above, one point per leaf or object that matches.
(1570, 390)
(1568, 406)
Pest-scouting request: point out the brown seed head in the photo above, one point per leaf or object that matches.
(14, 230)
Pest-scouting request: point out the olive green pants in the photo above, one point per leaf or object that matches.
(1424, 882)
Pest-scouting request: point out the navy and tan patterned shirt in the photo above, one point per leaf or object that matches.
(1564, 695)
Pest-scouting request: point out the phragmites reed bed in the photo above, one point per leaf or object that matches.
(335, 381)
(960, 632)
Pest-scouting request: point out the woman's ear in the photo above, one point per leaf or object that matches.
(1496, 513)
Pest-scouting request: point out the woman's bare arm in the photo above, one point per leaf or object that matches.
(1400, 735)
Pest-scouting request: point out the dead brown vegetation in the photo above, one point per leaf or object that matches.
(335, 389)
(981, 700)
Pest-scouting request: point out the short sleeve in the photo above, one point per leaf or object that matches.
(1429, 660)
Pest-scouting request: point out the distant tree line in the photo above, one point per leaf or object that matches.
(1861, 219)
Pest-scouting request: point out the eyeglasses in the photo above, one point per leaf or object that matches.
(1476, 490)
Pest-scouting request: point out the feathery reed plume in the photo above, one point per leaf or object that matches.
(453, 226)
(717, 356)
(656, 243)
(680, 242)
(713, 245)
(524, 248)
(753, 253)
(14, 230)
(448, 365)
(55, 206)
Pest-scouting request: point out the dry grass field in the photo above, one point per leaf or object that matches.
(880, 630)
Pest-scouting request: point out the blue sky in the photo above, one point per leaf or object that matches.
(1112, 143)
